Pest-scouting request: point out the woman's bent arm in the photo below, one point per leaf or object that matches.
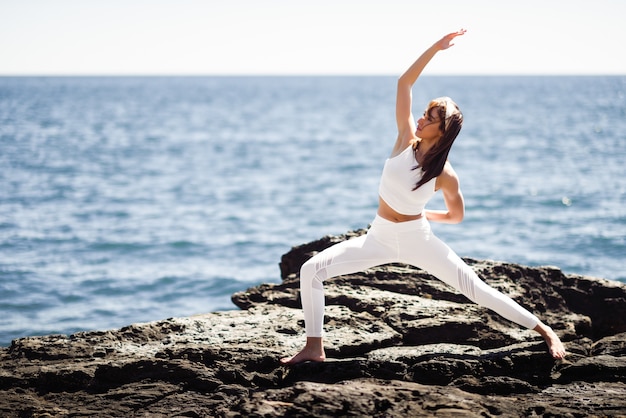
(448, 183)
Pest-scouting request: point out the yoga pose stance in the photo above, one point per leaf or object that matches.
(400, 232)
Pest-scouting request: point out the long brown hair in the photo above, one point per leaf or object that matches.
(436, 157)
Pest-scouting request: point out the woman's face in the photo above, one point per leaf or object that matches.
(429, 125)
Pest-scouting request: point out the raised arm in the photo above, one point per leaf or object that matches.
(404, 116)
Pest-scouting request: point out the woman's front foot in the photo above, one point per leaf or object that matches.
(312, 351)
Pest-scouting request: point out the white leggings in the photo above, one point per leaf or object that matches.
(405, 242)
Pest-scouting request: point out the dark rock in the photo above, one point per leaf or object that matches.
(400, 343)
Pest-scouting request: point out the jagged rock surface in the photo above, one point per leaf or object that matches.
(400, 343)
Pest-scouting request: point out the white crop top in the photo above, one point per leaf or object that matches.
(397, 183)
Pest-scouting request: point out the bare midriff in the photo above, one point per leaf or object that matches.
(385, 211)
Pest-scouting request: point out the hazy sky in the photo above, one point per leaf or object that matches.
(309, 36)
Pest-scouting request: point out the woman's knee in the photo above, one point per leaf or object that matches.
(307, 270)
(309, 273)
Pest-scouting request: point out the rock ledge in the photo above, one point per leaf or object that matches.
(400, 343)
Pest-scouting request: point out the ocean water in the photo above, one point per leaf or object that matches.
(131, 199)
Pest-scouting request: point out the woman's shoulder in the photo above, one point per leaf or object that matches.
(448, 170)
(401, 145)
(448, 177)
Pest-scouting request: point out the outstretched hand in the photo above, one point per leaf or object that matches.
(446, 41)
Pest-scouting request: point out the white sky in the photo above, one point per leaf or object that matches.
(147, 37)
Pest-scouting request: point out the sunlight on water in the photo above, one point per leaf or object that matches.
(135, 199)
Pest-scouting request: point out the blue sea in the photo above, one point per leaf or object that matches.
(133, 199)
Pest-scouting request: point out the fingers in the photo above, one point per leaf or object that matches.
(457, 33)
(449, 37)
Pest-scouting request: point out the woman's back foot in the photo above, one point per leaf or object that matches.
(555, 346)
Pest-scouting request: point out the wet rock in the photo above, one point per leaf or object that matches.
(399, 342)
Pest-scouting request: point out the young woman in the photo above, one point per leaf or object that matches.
(400, 232)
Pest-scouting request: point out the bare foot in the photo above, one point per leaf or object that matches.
(312, 351)
(301, 357)
(555, 346)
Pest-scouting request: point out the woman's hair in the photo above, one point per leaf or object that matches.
(451, 123)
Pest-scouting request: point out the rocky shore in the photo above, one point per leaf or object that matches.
(400, 343)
